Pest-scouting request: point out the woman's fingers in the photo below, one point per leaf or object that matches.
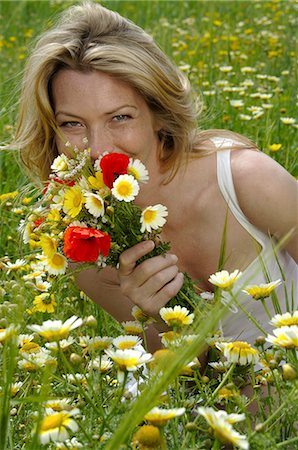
(128, 259)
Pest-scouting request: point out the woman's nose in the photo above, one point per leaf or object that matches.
(99, 142)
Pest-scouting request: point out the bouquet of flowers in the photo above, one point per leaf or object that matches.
(87, 215)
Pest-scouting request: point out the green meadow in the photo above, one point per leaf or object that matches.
(65, 393)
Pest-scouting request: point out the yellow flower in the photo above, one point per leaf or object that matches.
(239, 352)
(287, 319)
(54, 427)
(261, 291)
(275, 147)
(54, 330)
(8, 196)
(153, 217)
(7, 333)
(97, 181)
(127, 341)
(147, 437)
(45, 302)
(48, 245)
(26, 200)
(30, 347)
(73, 201)
(129, 360)
(125, 188)
(60, 164)
(139, 315)
(160, 417)
(132, 327)
(285, 337)
(54, 215)
(177, 316)
(224, 280)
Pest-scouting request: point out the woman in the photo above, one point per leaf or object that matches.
(98, 76)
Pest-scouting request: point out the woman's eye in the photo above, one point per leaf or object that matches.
(71, 124)
(121, 118)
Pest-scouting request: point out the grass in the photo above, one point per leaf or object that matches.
(240, 51)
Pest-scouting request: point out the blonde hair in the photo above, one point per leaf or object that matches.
(90, 37)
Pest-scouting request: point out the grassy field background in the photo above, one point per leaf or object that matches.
(241, 59)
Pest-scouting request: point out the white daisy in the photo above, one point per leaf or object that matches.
(94, 204)
(125, 188)
(153, 217)
(138, 170)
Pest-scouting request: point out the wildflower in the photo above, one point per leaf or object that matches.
(220, 366)
(127, 341)
(103, 364)
(15, 387)
(94, 204)
(48, 245)
(239, 352)
(113, 165)
(8, 196)
(223, 279)
(132, 327)
(45, 302)
(17, 265)
(147, 437)
(221, 423)
(97, 181)
(54, 215)
(98, 343)
(30, 347)
(73, 201)
(285, 337)
(153, 217)
(138, 170)
(286, 319)
(261, 291)
(32, 362)
(64, 345)
(60, 164)
(177, 316)
(125, 188)
(54, 330)
(54, 427)
(56, 264)
(237, 103)
(287, 120)
(42, 286)
(274, 147)
(128, 360)
(289, 373)
(58, 405)
(82, 244)
(69, 444)
(160, 417)
(226, 69)
(7, 333)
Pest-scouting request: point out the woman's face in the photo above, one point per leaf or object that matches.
(106, 111)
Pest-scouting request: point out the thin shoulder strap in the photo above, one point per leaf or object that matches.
(226, 186)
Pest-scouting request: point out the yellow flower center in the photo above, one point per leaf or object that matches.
(149, 215)
(124, 188)
(56, 420)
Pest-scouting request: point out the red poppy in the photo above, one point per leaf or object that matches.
(85, 244)
(38, 222)
(113, 165)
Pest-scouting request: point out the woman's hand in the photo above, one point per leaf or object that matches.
(151, 284)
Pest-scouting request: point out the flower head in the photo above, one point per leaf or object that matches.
(94, 204)
(54, 330)
(45, 302)
(153, 217)
(54, 427)
(285, 337)
(60, 164)
(224, 279)
(286, 319)
(132, 327)
(261, 291)
(129, 360)
(160, 417)
(96, 182)
(221, 423)
(147, 437)
(73, 201)
(177, 316)
(56, 264)
(127, 341)
(239, 352)
(138, 170)
(125, 188)
(82, 244)
(113, 165)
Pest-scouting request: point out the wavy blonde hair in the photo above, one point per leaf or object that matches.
(90, 37)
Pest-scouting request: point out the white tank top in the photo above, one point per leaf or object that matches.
(270, 265)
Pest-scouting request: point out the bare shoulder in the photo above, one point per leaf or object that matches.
(266, 192)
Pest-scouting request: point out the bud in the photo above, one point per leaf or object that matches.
(288, 372)
(13, 412)
(75, 359)
(259, 427)
(91, 321)
(205, 379)
(260, 341)
(191, 426)
(273, 364)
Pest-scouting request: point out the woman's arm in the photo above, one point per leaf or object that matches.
(268, 196)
